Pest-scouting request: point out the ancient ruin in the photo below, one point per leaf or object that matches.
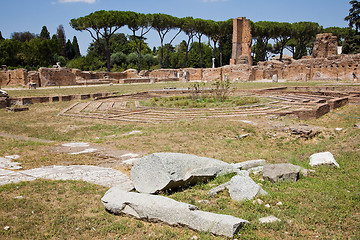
(324, 64)
(241, 50)
(325, 46)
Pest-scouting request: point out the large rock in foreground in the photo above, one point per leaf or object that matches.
(281, 172)
(158, 208)
(164, 171)
(241, 187)
(323, 158)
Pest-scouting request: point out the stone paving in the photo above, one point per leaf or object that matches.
(98, 175)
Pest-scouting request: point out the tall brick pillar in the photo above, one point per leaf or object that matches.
(241, 50)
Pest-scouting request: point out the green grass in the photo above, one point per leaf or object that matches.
(202, 102)
(324, 204)
(132, 88)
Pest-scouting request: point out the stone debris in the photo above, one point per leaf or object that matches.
(6, 228)
(7, 163)
(256, 170)
(248, 122)
(258, 201)
(17, 109)
(204, 201)
(269, 219)
(279, 204)
(76, 144)
(14, 157)
(357, 125)
(241, 187)
(88, 150)
(338, 129)
(157, 208)
(129, 155)
(133, 132)
(242, 136)
(173, 170)
(304, 131)
(131, 161)
(281, 172)
(249, 164)
(97, 175)
(323, 158)
(3, 93)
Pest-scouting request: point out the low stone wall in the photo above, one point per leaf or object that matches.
(60, 98)
(13, 77)
(56, 77)
(318, 111)
(337, 67)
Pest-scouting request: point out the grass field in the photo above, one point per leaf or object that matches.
(323, 205)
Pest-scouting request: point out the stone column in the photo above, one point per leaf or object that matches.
(241, 50)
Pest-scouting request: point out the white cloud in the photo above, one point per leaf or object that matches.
(73, 1)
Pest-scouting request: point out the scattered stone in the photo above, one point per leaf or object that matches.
(242, 136)
(269, 219)
(248, 122)
(7, 163)
(281, 172)
(133, 132)
(131, 161)
(173, 170)
(267, 205)
(102, 176)
(6, 228)
(279, 204)
(88, 150)
(323, 158)
(157, 208)
(304, 131)
(305, 172)
(249, 164)
(3, 93)
(76, 144)
(204, 201)
(275, 78)
(129, 155)
(18, 197)
(357, 125)
(338, 129)
(258, 201)
(214, 191)
(194, 238)
(13, 157)
(256, 170)
(17, 109)
(241, 187)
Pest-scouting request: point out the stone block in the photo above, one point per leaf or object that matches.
(162, 209)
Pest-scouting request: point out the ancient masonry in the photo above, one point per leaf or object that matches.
(241, 49)
(325, 64)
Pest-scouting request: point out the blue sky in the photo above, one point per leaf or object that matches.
(31, 15)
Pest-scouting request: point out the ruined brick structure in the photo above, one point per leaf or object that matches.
(325, 45)
(324, 64)
(241, 50)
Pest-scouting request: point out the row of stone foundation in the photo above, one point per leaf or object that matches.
(339, 67)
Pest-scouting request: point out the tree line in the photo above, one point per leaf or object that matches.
(113, 50)
(29, 50)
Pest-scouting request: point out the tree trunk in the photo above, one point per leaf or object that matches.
(139, 56)
(108, 54)
(201, 55)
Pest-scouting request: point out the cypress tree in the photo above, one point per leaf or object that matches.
(76, 48)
